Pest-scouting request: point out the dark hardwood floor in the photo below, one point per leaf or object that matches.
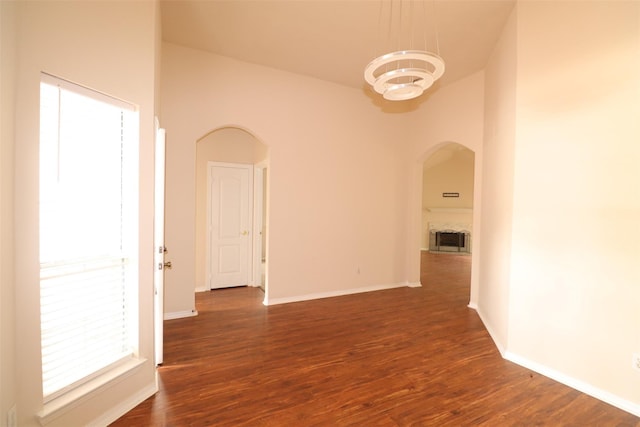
(400, 357)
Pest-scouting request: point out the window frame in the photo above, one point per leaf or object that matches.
(55, 401)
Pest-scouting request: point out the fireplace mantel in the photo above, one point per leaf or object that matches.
(449, 226)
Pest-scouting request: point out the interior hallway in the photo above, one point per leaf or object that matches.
(406, 356)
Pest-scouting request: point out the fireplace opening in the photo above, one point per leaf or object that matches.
(449, 241)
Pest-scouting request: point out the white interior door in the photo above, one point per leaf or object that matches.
(159, 248)
(229, 224)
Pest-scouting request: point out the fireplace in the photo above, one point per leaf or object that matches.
(449, 238)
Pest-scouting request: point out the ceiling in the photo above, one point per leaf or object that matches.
(334, 40)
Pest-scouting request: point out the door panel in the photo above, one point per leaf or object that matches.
(230, 259)
(229, 225)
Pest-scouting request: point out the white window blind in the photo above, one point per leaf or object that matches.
(88, 233)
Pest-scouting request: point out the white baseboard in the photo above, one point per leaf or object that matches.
(576, 384)
(342, 292)
(180, 314)
(125, 406)
(414, 284)
(202, 289)
(581, 386)
(499, 345)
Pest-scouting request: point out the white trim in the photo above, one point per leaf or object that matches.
(202, 289)
(501, 348)
(330, 294)
(125, 406)
(207, 226)
(256, 242)
(60, 405)
(158, 242)
(574, 383)
(180, 314)
(52, 80)
(414, 284)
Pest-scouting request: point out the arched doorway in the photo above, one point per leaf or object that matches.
(239, 149)
(447, 201)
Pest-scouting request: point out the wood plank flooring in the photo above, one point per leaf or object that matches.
(400, 357)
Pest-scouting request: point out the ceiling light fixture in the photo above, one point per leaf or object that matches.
(404, 74)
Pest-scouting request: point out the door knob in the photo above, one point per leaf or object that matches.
(167, 265)
(245, 232)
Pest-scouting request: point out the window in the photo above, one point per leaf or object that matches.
(88, 233)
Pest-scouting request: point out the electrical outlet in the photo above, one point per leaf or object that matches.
(12, 417)
(636, 361)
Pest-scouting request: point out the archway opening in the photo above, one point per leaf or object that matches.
(240, 149)
(447, 203)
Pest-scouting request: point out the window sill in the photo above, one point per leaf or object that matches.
(58, 406)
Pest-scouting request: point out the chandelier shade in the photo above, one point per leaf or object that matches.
(407, 71)
(404, 74)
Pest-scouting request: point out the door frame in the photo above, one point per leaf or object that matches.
(251, 273)
(158, 246)
(259, 223)
(415, 245)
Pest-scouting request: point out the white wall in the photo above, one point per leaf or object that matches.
(574, 301)
(453, 113)
(7, 135)
(448, 170)
(335, 201)
(107, 46)
(497, 185)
